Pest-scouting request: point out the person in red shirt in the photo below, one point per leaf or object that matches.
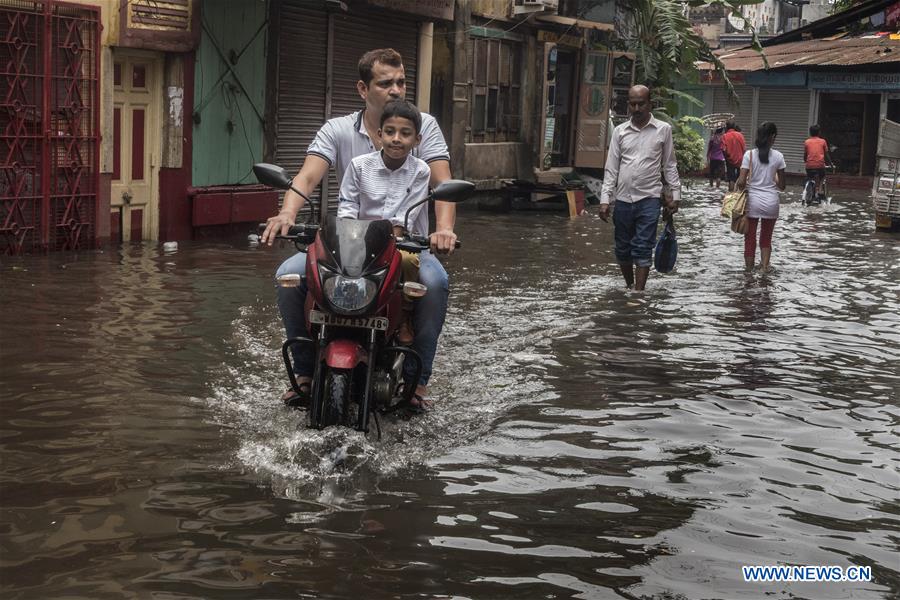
(816, 155)
(734, 145)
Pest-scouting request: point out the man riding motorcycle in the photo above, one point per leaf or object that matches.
(340, 140)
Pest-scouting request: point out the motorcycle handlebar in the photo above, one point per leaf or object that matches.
(295, 232)
(415, 243)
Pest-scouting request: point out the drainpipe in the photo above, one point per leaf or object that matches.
(423, 81)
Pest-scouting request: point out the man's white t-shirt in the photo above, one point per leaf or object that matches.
(762, 193)
(342, 139)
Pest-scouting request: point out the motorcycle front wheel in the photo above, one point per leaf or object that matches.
(337, 398)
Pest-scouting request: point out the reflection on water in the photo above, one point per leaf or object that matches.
(588, 442)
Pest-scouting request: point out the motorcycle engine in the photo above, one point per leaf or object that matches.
(383, 387)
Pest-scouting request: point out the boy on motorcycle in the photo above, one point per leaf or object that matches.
(381, 79)
(385, 183)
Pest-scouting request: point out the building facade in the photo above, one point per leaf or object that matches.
(846, 86)
(170, 102)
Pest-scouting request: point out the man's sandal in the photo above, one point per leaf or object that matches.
(295, 400)
(419, 405)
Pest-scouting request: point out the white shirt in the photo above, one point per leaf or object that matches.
(342, 139)
(762, 193)
(371, 191)
(636, 158)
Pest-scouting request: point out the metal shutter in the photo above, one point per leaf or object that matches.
(302, 52)
(743, 112)
(357, 31)
(789, 110)
(303, 70)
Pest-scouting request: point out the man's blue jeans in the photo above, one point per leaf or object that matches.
(428, 315)
(635, 230)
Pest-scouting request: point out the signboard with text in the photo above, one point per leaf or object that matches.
(854, 81)
(433, 9)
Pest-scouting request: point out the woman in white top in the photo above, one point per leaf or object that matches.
(762, 172)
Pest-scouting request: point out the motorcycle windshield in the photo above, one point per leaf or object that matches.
(353, 244)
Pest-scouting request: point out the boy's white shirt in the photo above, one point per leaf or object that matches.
(371, 191)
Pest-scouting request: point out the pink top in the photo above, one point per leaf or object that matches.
(714, 150)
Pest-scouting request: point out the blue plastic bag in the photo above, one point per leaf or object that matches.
(666, 248)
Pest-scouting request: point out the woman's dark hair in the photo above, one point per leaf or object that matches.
(403, 109)
(718, 130)
(764, 135)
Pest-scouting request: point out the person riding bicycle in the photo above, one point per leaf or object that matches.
(816, 156)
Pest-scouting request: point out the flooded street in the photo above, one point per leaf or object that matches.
(587, 442)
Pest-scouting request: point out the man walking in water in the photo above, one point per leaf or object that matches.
(640, 152)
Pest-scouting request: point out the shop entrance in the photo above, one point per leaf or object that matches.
(561, 78)
(49, 126)
(850, 124)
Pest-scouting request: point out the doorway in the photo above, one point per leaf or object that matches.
(850, 125)
(134, 199)
(49, 126)
(559, 115)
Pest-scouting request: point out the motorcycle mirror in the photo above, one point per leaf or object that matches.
(453, 190)
(276, 177)
(272, 175)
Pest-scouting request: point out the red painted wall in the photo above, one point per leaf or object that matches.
(103, 222)
(174, 204)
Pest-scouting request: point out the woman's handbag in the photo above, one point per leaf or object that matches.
(734, 203)
(739, 224)
(737, 208)
(666, 248)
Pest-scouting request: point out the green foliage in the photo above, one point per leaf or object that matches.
(839, 6)
(667, 47)
(690, 151)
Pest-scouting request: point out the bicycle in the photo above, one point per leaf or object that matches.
(807, 199)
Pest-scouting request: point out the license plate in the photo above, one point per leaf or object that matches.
(320, 318)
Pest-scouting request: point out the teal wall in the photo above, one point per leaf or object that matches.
(685, 107)
(229, 137)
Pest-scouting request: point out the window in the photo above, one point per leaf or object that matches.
(496, 108)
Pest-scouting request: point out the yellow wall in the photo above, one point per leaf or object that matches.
(491, 9)
(109, 17)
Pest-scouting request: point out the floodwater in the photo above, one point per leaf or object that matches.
(587, 442)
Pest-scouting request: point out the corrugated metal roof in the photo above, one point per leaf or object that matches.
(818, 53)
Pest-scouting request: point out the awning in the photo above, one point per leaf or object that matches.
(576, 22)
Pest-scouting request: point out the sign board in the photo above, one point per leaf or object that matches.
(855, 81)
(712, 77)
(777, 78)
(433, 9)
(556, 38)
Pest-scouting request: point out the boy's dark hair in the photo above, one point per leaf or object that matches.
(385, 56)
(737, 128)
(729, 124)
(814, 130)
(404, 110)
(764, 134)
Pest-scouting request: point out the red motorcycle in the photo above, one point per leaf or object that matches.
(353, 309)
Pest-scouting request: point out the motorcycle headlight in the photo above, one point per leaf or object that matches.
(349, 293)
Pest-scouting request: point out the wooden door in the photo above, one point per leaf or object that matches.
(136, 137)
